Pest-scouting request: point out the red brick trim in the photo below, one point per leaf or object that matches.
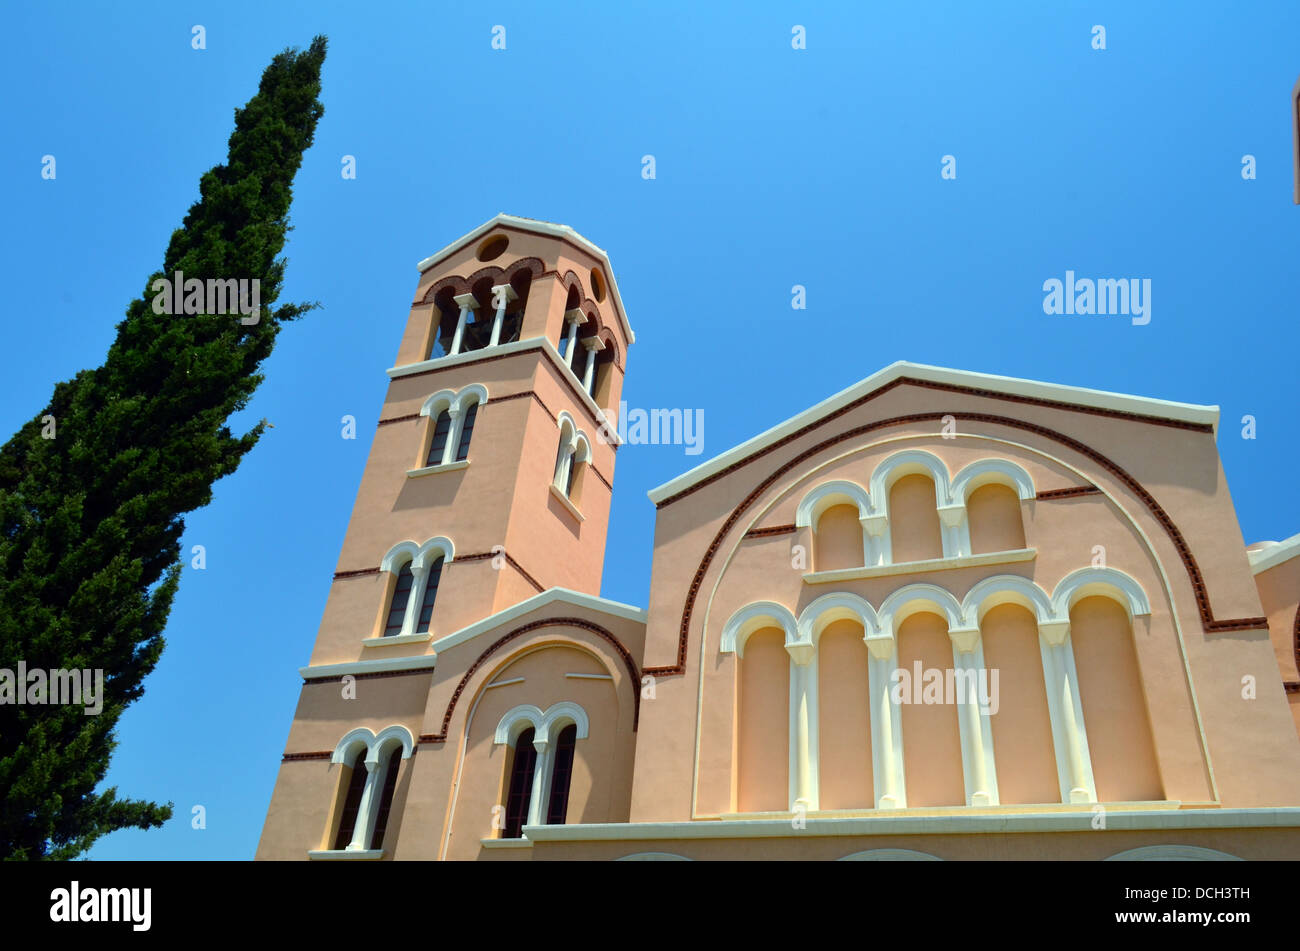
(318, 754)
(398, 419)
(772, 530)
(1210, 623)
(634, 683)
(355, 574)
(479, 556)
(1295, 635)
(1076, 490)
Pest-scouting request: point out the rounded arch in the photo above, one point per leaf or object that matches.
(652, 857)
(908, 462)
(387, 738)
(359, 739)
(915, 599)
(1108, 582)
(517, 719)
(1006, 589)
(568, 428)
(827, 494)
(890, 855)
(560, 715)
(434, 548)
(755, 617)
(1172, 853)
(984, 472)
(839, 606)
(399, 555)
(581, 448)
(453, 399)
(435, 404)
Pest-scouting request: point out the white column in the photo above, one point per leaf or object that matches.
(467, 303)
(886, 728)
(875, 533)
(1073, 767)
(976, 735)
(593, 344)
(418, 574)
(956, 534)
(453, 434)
(541, 775)
(502, 294)
(804, 707)
(367, 811)
(575, 319)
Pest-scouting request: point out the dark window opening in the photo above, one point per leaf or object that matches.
(521, 785)
(466, 432)
(386, 798)
(401, 594)
(558, 807)
(430, 595)
(441, 427)
(352, 802)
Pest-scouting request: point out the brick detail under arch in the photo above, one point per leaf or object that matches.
(1208, 621)
(500, 642)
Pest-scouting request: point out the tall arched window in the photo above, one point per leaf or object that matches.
(430, 595)
(466, 431)
(522, 765)
(352, 801)
(401, 596)
(914, 529)
(441, 428)
(558, 807)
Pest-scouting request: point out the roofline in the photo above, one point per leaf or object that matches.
(550, 595)
(1082, 396)
(1273, 554)
(551, 230)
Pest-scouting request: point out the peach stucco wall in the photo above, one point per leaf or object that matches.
(844, 714)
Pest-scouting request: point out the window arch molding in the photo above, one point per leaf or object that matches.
(574, 450)
(1006, 589)
(421, 556)
(1109, 582)
(456, 403)
(555, 718)
(436, 553)
(375, 744)
(547, 728)
(822, 497)
(984, 472)
(755, 617)
(840, 606)
(904, 463)
(918, 598)
(380, 754)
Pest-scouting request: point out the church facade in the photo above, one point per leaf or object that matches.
(939, 615)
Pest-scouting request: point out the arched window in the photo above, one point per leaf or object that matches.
(558, 806)
(837, 539)
(993, 511)
(441, 428)
(386, 797)
(571, 460)
(466, 431)
(522, 766)
(430, 595)
(401, 597)
(352, 800)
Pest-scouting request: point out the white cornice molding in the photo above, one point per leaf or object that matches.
(552, 230)
(1272, 554)
(1082, 396)
(960, 821)
(537, 601)
(381, 666)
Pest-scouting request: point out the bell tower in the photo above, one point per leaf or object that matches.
(490, 474)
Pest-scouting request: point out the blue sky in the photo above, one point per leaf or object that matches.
(775, 167)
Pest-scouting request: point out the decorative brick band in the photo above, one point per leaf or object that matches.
(1072, 492)
(334, 678)
(398, 419)
(634, 681)
(355, 574)
(318, 754)
(1209, 622)
(772, 530)
(479, 556)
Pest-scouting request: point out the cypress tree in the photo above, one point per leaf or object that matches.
(94, 489)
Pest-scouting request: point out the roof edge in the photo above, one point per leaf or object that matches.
(1272, 554)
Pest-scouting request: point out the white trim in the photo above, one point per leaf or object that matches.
(550, 229)
(1271, 554)
(382, 666)
(394, 639)
(537, 601)
(567, 503)
(1164, 409)
(1005, 589)
(957, 820)
(1109, 582)
(590, 676)
(441, 467)
(984, 472)
(754, 617)
(916, 598)
(907, 462)
(916, 567)
(419, 555)
(835, 492)
(838, 606)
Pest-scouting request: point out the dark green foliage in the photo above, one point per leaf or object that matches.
(91, 520)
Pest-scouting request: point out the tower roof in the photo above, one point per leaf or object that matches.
(550, 229)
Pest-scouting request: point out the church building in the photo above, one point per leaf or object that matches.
(938, 615)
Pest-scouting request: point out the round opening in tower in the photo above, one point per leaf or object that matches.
(598, 284)
(493, 247)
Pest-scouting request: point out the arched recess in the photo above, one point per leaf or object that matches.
(890, 855)
(763, 749)
(1172, 853)
(911, 490)
(755, 617)
(1109, 582)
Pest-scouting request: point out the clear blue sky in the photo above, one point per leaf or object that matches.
(775, 167)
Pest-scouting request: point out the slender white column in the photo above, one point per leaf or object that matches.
(955, 532)
(367, 812)
(1067, 729)
(802, 674)
(875, 530)
(502, 294)
(453, 434)
(467, 303)
(593, 344)
(418, 574)
(975, 733)
(541, 773)
(886, 735)
(575, 319)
